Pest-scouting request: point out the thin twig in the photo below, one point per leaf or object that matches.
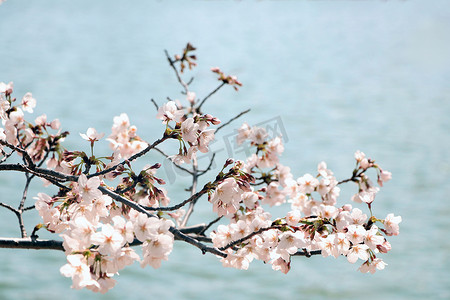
(209, 166)
(193, 241)
(167, 156)
(154, 103)
(9, 207)
(137, 155)
(5, 156)
(20, 150)
(232, 244)
(29, 208)
(210, 224)
(183, 84)
(354, 178)
(25, 191)
(231, 120)
(22, 204)
(180, 205)
(209, 95)
(193, 189)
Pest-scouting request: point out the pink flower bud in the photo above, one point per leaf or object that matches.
(385, 247)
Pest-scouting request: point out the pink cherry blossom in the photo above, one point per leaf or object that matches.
(189, 130)
(88, 188)
(78, 270)
(91, 135)
(6, 88)
(358, 251)
(28, 102)
(391, 224)
(205, 137)
(372, 267)
(109, 240)
(328, 246)
(169, 112)
(258, 135)
(307, 183)
(356, 233)
(372, 238)
(243, 133)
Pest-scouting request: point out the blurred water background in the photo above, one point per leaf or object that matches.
(338, 75)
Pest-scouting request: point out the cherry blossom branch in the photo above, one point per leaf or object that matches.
(193, 198)
(355, 177)
(232, 119)
(40, 172)
(42, 244)
(29, 243)
(125, 201)
(209, 95)
(239, 241)
(137, 155)
(194, 242)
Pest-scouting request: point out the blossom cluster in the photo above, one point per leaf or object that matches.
(97, 234)
(192, 132)
(315, 222)
(35, 138)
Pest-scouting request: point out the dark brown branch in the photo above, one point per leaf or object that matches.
(28, 243)
(125, 201)
(231, 120)
(307, 253)
(43, 173)
(194, 242)
(180, 205)
(354, 178)
(32, 243)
